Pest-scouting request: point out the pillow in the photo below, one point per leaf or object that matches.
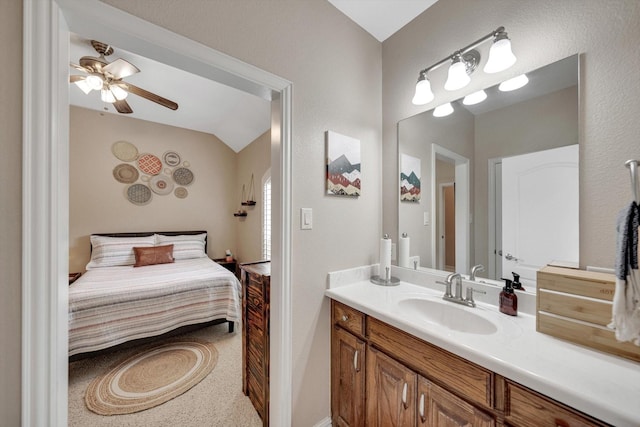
(185, 246)
(116, 251)
(154, 255)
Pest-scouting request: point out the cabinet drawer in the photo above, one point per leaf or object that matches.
(348, 318)
(524, 407)
(469, 380)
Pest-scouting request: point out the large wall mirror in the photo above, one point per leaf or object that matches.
(498, 179)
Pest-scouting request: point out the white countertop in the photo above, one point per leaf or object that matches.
(605, 387)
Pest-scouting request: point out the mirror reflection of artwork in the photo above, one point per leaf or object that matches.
(409, 179)
(343, 165)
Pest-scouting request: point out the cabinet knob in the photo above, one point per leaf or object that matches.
(345, 317)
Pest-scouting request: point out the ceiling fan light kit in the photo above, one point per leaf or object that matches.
(107, 77)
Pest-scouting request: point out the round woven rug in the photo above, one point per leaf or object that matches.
(151, 377)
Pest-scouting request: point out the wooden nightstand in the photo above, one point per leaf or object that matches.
(229, 265)
(73, 277)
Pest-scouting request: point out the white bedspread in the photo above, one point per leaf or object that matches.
(111, 305)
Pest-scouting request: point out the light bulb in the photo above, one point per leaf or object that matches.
(423, 93)
(500, 55)
(443, 110)
(475, 98)
(107, 96)
(514, 83)
(82, 84)
(94, 82)
(457, 77)
(118, 92)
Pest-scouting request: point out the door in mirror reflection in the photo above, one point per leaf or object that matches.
(539, 211)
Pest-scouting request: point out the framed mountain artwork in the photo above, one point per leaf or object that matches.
(409, 179)
(343, 165)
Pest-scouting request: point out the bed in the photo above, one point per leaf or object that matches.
(124, 296)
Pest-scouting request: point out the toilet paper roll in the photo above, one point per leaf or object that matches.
(403, 251)
(385, 258)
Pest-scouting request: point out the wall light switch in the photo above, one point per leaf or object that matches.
(306, 218)
(426, 218)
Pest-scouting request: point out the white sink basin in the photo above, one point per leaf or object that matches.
(448, 315)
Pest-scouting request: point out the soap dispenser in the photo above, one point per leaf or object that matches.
(516, 282)
(508, 299)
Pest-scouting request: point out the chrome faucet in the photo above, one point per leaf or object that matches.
(456, 297)
(475, 269)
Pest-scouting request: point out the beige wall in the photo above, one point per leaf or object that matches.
(605, 32)
(10, 209)
(335, 69)
(97, 202)
(545, 122)
(253, 159)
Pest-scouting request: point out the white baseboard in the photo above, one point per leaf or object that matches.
(325, 422)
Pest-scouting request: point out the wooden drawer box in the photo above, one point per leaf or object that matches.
(348, 318)
(575, 305)
(524, 407)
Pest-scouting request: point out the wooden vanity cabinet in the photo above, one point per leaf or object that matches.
(410, 382)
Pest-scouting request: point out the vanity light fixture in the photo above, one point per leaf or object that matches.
(464, 62)
(475, 98)
(514, 83)
(443, 110)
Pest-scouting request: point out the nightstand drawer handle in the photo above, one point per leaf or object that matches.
(345, 318)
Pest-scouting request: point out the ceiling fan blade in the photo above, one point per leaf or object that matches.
(76, 78)
(148, 95)
(120, 69)
(79, 67)
(123, 107)
(93, 64)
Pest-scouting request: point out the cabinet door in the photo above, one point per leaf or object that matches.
(347, 379)
(437, 407)
(391, 392)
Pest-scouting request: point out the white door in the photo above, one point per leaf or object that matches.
(539, 212)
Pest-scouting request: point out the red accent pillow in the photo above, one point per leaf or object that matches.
(153, 255)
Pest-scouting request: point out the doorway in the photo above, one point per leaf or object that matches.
(45, 192)
(447, 227)
(461, 202)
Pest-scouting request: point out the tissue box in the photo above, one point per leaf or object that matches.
(575, 305)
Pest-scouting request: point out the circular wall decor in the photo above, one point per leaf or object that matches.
(125, 173)
(125, 151)
(171, 158)
(139, 194)
(149, 164)
(183, 176)
(161, 184)
(181, 192)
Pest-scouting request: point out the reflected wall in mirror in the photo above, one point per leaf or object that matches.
(465, 151)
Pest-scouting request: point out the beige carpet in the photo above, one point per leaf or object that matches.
(216, 401)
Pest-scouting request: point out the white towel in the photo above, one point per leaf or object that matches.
(626, 299)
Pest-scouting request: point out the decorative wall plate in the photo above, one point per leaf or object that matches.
(161, 184)
(181, 192)
(139, 194)
(125, 173)
(125, 151)
(149, 164)
(171, 158)
(183, 176)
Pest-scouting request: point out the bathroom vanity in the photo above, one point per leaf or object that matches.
(403, 357)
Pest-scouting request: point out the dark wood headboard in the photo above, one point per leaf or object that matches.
(151, 233)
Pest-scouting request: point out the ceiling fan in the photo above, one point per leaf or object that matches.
(107, 78)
